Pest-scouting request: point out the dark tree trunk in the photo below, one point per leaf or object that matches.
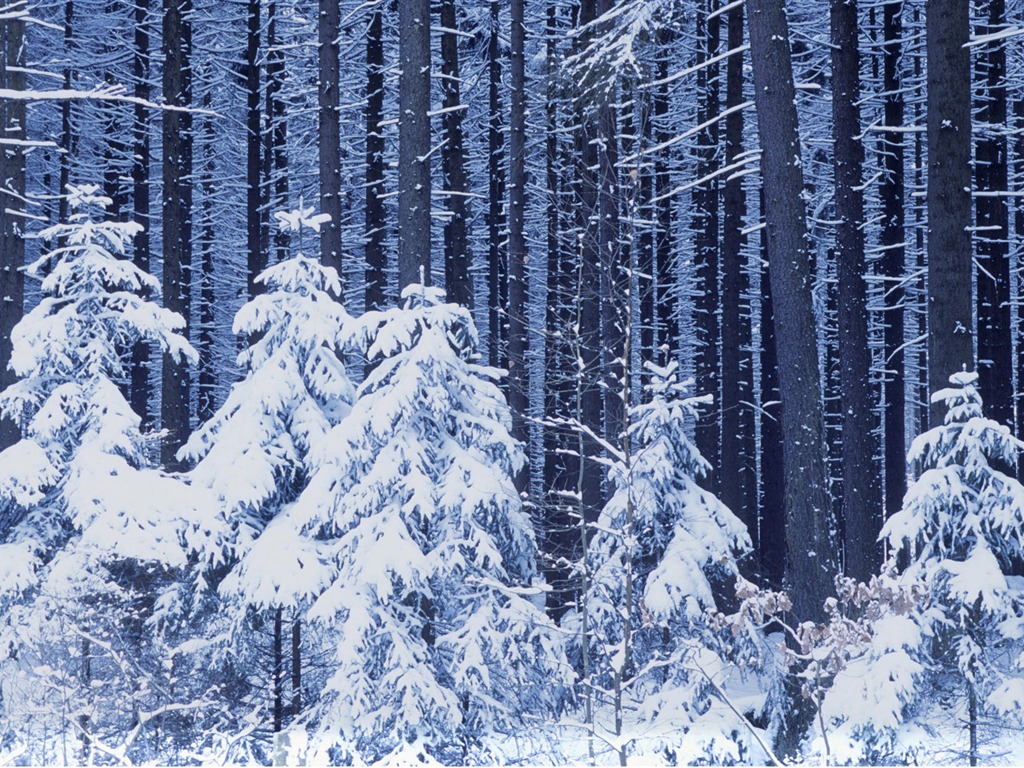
(140, 388)
(329, 129)
(518, 374)
(275, 152)
(12, 177)
(995, 342)
(278, 681)
(68, 140)
(664, 246)
(810, 558)
(206, 397)
(1018, 227)
(458, 283)
(893, 262)
(861, 498)
(414, 143)
(950, 306)
(496, 266)
(376, 219)
(589, 407)
(177, 215)
(738, 477)
(296, 665)
(772, 522)
(706, 240)
(257, 261)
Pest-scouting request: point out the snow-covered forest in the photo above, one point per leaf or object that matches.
(518, 382)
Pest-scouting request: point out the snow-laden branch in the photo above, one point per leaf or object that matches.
(99, 94)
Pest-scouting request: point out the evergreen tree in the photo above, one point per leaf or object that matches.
(97, 535)
(962, 530)
(435, 643)
(660, 546)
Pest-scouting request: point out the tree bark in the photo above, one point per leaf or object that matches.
(738, 476)
(893, 262)
(12, 177)
(518, 373)
(458, 283)
(950, 305)
(256, 261)
(329, 130)
(375, 226)
(995, 342)
(177, 216)
(141, 393)
(861, 502)
(496, 255)
(275, 140)
(414, 143)
(706, 241)
(810, 558)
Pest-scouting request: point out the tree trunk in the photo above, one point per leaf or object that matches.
(496, 273)
(375, 227)
(140, 388)
(518, 384)
(810, 559)
(275, 151)
(664, 243)
(12, 177)
(950, 308)
(414, 143)
(995, 342)
(738, 478)
(861, 498)
(458, 283)
(329, 131)
(706, 240)
(253, 147)
(206, 399)
(893, 262)
(177, 215)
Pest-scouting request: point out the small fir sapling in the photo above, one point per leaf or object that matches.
(94, 532)
(656, 552)
(436, 642)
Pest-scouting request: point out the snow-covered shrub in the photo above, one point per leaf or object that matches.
(655, 554)
(95, 533)
(255, 455)
(434, 641)
(961, 529)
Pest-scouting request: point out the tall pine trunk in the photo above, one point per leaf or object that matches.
(140, 387)
(253, 150)
(177, 215)
(414, 143)
(375, 226)
(810, 559)
(329, 130)
(950, 305)
(861, 498)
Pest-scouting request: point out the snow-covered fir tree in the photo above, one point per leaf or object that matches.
(255, 455)
(94, 533)
(656, 552)
(961, 530)
(435, 640)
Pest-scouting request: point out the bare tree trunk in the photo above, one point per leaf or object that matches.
(458, 283)
(376, 219)
(995, 341)
(950, 305)
(414, 143)
(12, 179)
(706, 242)
(861, 497)
(206, 403)
(275, 150)
(253, 145)
(177, 215)
(517, 253)
(140, 389)
(329, 130)
(738, 476)
(893, 261)
(810, 558)
(496, 255)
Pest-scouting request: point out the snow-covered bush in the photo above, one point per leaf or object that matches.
(961, 529)
(434, 641)
(255, 455)
(95, 533)
(656, 552)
